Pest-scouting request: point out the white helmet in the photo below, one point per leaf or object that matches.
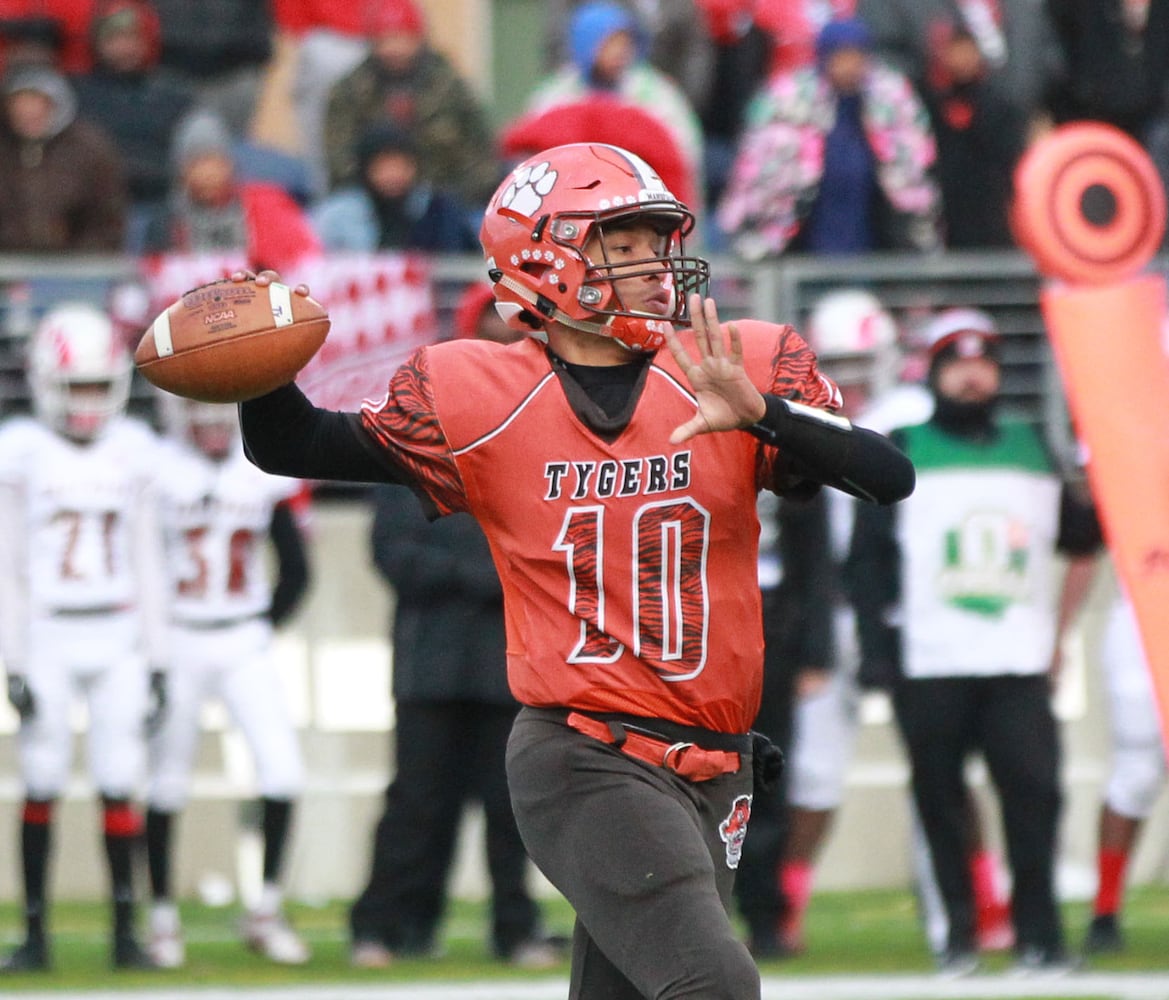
(212, 428)
(855, 340)
(79, 370)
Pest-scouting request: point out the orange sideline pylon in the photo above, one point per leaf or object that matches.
(1090, 209)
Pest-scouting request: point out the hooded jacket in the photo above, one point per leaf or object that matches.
(48, 205)
(139, 109)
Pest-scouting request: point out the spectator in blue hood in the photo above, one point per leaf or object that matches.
(607, 53)
(676, 41)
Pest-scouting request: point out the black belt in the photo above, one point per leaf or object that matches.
(212, 624)
(97, 609)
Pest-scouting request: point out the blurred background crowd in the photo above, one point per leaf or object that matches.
(828, 126)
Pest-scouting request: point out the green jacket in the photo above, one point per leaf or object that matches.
(456, 147)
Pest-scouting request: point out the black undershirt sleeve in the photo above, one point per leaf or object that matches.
(286, 435)
(830, 450)
(292, 570)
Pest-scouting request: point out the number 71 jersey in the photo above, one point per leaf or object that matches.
(75, 513)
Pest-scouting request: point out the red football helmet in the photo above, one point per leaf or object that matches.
(541, 220)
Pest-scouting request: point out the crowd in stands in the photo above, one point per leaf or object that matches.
(835, 126)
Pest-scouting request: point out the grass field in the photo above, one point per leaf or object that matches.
(849, 934)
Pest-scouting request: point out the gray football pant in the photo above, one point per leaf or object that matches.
(643, 856)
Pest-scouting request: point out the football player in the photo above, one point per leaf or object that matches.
(79, 598)
(219, 512)
(1137, 774)
(857, 342)
(613, 461)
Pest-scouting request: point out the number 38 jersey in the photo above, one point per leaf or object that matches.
(216, 518)
(628, 564)
(74, 515)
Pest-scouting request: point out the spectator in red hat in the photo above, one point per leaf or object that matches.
(136, 102)
(416, 88)
(961, 601)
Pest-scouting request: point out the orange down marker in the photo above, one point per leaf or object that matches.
(1090, 208)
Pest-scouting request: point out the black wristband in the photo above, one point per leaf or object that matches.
(781, 412)
(828, 449)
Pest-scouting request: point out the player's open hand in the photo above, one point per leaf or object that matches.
(265, 277)
(727, 399)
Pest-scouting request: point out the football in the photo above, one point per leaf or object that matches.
(230, 341)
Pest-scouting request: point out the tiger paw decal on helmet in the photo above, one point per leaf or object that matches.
(529, 184)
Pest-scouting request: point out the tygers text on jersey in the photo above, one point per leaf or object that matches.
(628, 564)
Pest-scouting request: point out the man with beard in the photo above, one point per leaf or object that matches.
(959, 603)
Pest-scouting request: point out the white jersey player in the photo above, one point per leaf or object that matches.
(78, 599)
(1137, 774)
(219, 513)
(856, 341)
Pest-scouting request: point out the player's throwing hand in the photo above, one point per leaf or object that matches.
(727, 399)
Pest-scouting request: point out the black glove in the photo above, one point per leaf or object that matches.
(766, 761)
(20, 697)
(156, 712)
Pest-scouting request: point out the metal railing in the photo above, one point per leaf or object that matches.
(911, 286)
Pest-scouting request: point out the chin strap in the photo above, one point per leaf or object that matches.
(540, 305)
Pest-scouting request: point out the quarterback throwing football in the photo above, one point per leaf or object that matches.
(613, 459)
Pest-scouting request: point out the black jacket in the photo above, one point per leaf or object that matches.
(448, 632)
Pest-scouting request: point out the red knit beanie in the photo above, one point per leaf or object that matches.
(388, 17)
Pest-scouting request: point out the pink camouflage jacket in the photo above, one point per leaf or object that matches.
(780, 159)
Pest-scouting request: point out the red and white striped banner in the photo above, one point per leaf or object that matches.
(381, 307)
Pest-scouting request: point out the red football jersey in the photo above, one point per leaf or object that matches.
(628, 564)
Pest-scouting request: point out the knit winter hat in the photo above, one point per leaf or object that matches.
(200, 135)
(960, 333)
(846, 33)
(384, 137)
(49, 81)
(390, 17)
(592, 24)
